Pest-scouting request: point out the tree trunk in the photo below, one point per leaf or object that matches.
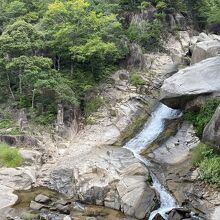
(71, 70)
(33, 97)
(58, 63)
(20, 83)
(9, 86)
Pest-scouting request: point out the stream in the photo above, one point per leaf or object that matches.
(151, 130)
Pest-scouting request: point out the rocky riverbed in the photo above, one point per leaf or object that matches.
(91, 167)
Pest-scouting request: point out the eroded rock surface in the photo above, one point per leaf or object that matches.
(97, 173)
(199, 79)
(204, 50)
(107, 176)
(204, 46)
(14, 179)
(211, 132)
(176, 148)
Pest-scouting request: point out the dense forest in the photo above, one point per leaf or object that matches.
(56, 52)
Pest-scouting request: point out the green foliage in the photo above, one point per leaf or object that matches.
(6, 123)
(136, 80)
(93, 105)
(45, 119)
(146, 34)
(208, 161)
(200, 152)
(210, 170)
(10, 157)
(214, 12)
(55, 52)
(202, 116)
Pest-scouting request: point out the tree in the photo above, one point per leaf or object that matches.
(81, 35)
(21, 55)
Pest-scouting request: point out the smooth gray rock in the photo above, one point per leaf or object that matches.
(42, 199)
(36, 206)
(109, 177)
(177, 147)
(200, 79)
(211, 132)
(204, 50)
(129, 192)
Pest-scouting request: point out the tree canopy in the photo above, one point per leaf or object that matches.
(55, 51)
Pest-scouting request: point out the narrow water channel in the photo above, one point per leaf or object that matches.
(152, 129)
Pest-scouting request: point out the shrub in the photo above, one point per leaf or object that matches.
(93, 105)
(201, 117)
(208, 161)
(45, 119)
(136, 80)
(147, 34)
(210, 170)
(200, 152)
(9, 157)
(6, 123)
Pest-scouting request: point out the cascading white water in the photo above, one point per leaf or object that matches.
(152, 129)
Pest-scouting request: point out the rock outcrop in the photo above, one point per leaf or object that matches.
(107, 176)
(199, 79)
(94, 171)
(211, 132)
(204, 50)
(14, 179)
(177, 147)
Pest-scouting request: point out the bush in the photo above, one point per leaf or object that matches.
(6, 123)
(201, 117)
(9, 157)
(136, 80)
(146, 34)
(210, 170)
(93, 105)
(45, 119)
(208, 161)
(201, 152)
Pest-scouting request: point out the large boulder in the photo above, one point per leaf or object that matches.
(108, 177)
(12, 179)
(204, 50)
(211, 132)
(200, 79)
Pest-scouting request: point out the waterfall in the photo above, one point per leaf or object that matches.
(152, 129)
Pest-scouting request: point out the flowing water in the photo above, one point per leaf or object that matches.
(152, 129)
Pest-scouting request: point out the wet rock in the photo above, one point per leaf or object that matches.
(211, 132)
(158, 217)
(135, 201)
(182, 86)
(111, 178)
(179, 214)
(7, 198)
(42, 199)
(36, 206)
(17, 178)
(177, 147)
(62, 202)
(63, 209)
